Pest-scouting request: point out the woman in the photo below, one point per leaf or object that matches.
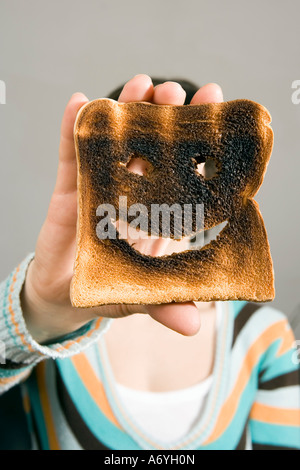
(135, 383)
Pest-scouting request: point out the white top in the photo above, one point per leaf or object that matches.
(167, 416)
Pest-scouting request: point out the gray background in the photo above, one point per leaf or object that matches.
(51, 49)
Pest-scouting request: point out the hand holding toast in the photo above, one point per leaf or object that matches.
(46, 293)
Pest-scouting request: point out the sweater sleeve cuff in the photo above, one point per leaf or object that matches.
(17, 345)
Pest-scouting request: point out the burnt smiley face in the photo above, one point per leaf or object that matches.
(212, 155)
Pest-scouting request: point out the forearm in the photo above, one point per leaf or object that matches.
(47, 321)
(20, 350)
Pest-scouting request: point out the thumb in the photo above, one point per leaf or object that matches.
(67, 168)
(57, 235)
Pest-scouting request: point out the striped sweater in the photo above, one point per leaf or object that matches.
(71, 400)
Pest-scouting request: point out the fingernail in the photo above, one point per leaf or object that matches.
(80, 94)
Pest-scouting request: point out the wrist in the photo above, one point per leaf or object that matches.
(47, 320)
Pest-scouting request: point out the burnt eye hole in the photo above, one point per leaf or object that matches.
(206, 166)
(138, 165)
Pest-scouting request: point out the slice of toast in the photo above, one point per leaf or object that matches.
(173, 141)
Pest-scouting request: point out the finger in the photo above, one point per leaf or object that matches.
(66, 147)
(210, 93)
(183, 318)
(57, 236)
(139, 88)
(169, 93)
(67, 168)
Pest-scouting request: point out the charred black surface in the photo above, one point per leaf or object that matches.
(232, 140)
